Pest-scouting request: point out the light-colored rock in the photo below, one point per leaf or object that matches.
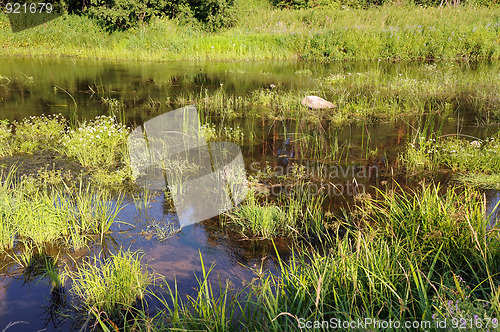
(316, 102)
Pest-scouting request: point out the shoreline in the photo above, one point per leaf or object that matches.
(389, 33)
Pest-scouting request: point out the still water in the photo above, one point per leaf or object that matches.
(77, 89)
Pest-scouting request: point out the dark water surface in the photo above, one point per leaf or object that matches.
(45, 86)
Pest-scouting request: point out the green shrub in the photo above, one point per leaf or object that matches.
(305, 4)
(214, 14)
(124, 14)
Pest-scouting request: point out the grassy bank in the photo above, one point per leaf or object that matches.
(419, 256)
(93, 150)
(264, 32)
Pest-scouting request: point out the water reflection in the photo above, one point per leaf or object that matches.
(282, 146)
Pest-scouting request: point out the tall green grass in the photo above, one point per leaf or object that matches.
(109, 287)
(297, 213)
(369, 95)
(425, 255)
(41, 218)
(388, 32)
(406, 256)
(5, 134)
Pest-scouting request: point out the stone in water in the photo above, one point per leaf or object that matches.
(316, 102)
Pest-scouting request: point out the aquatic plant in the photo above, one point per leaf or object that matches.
(405, 256)
(97, 143)
(227, 133)
(221, 310)
(109, 286)
(38, 132)
(39, 217)
(5, 134)
(474, 160)
(297, 213)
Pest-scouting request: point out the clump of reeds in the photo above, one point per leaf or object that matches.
(108, 288)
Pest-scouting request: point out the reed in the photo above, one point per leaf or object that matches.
(39, 218)
(296, 213)
(107, 287)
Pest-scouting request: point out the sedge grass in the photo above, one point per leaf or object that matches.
(445, 89)
(39, 217)
(299, 212)
(110, 285)
(472, 160)
(221, 310)
(405, 257)
(415, 256)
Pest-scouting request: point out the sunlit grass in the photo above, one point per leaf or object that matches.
(263, 32)
(406, 256)
(38, 133)
(101, 142)
(294, 214)
(365, 96)
(98, 145)
(473, 160)
(111, 286)
(38, 217)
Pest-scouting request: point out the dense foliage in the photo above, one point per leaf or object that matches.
(124, 14)
(214, 15)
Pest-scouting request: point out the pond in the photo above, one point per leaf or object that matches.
(355, 157)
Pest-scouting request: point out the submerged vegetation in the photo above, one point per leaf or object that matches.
(471, 159)
(419, 256)
(393, 250)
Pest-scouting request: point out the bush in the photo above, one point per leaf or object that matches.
(214, 14)
(123, 14)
